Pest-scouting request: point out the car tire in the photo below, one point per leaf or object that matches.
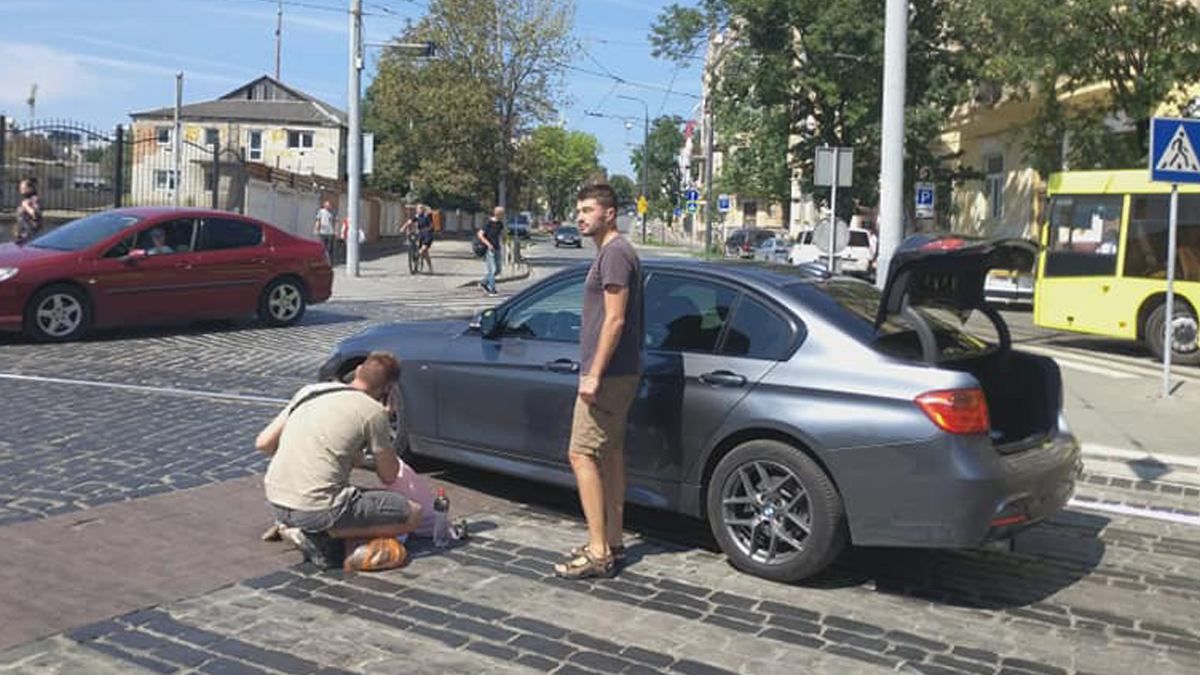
(764, 493)
(282, 302)
(1185, 329)
(57, 313)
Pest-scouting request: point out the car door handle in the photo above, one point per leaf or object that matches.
(563, 366)
(723, 378)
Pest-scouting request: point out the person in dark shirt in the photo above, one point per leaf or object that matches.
(422, 224)
(490, 235)
(610, 346)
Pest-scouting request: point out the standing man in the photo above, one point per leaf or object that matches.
(490, 234)
(315, 442)
(422, 223)
(323, 227)
(610, 349)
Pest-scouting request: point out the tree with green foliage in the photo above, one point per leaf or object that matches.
(555, 163)
(1145, 52)
(626, 189)
(447, 127)
(664, 183)
(796, 75)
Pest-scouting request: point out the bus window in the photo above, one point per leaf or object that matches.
(1146, 250)
(1084, 231)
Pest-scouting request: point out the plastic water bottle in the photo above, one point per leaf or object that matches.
(441, 519)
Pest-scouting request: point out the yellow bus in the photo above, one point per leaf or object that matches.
(1102, 269)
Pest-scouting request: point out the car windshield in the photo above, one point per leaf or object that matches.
(859, 239)
(958, 334)
(85, 232)
(567, 229)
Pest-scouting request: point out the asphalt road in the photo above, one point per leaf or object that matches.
(129, 489)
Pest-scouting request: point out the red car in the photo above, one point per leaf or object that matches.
(157, 265)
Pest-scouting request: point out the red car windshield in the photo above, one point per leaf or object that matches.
(85, 232)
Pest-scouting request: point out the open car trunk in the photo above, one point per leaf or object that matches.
(923, 316)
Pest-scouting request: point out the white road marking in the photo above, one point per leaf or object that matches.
(1078, 359)
(1105, 451)
(170, 391)
(1137, 512)
(1095, 370)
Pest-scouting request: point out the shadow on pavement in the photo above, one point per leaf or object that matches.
(314, 317)
(1041, 563)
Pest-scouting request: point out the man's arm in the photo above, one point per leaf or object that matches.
(483, 238)
(267, 441)
(387, 465)
(615, 300)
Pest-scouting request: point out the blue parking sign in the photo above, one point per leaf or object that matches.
(1173, 144)
(692, 195)
(924, 200)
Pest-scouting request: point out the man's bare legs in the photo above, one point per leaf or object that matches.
(591, 498)
(612, 473)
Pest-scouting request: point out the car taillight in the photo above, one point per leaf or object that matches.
(958, 411)
(944, 244)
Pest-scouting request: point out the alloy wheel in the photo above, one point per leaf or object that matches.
(284, 302)
(59, 315)
(1184, 334)
(766, 511)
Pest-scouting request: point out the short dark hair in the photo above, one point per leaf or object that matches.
(380, 370)
(603, 193)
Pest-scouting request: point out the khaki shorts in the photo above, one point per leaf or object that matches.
(599, 427)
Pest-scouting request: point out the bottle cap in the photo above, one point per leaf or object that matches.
(441, 492)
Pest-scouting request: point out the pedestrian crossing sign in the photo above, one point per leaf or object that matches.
(1173, 143)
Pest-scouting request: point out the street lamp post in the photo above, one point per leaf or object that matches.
(645, 152)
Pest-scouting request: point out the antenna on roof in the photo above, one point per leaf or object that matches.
(278, 37)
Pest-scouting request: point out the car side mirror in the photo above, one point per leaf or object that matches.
(486, 322)
(135, 255)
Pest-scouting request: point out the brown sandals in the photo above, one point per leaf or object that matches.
(617, 551)
(586, 565)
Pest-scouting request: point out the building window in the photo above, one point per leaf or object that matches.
(300, 139)
(164, 135)
(994, 186)
(164, 179)
(256, 146)
(212, 136)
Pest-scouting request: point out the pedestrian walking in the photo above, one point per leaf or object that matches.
(323, 226)
(421, 224)
(491, 235)
(315, 442)
(610, 346)
(29, 213)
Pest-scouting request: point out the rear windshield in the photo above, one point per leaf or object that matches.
(853, 305)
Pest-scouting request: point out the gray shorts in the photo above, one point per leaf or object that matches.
(363, 508)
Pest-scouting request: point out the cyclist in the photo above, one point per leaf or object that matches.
(422, 224)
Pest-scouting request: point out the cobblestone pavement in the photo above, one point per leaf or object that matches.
(492, 605)
(150, 421)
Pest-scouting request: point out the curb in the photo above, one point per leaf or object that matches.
(501, 280)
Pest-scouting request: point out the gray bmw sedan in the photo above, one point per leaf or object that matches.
(794, 412)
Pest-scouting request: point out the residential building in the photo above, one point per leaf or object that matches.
(263, 121)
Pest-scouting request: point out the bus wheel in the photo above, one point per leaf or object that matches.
(1185, 331)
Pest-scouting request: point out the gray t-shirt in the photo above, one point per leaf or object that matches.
(324, 221)
(616, 264)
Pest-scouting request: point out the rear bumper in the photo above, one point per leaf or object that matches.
(958, 492)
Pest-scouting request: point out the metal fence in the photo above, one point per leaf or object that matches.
(82, 169)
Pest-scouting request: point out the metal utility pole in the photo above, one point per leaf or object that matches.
(278, 37)
(891, 174)
(502, 188)
(354, 138)
(645, 153)
(708, 177)
(177, 138)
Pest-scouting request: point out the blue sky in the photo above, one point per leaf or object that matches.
(98, 60)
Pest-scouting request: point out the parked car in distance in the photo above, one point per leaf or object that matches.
(856, 257)
(793, 410)
(158, 265)
(744, 242)
(774, 250)
(567, 235)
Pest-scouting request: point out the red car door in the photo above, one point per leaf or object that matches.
(144, 278)
(234, 265)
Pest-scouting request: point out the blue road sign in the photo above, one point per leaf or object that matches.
(1173, 144)
(692, 207)
(723, 203)
(924, 200)
(678, 212)
(692, 194)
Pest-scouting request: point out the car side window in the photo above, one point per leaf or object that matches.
(757, 332)
(685, 314)
(555, 314)
(175, 236)
(218, 234)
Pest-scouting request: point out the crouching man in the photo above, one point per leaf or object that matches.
(315, 442)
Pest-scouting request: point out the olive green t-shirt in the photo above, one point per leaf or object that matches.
(321, 441)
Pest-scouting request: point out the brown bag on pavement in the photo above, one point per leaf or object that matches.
(377, 555)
